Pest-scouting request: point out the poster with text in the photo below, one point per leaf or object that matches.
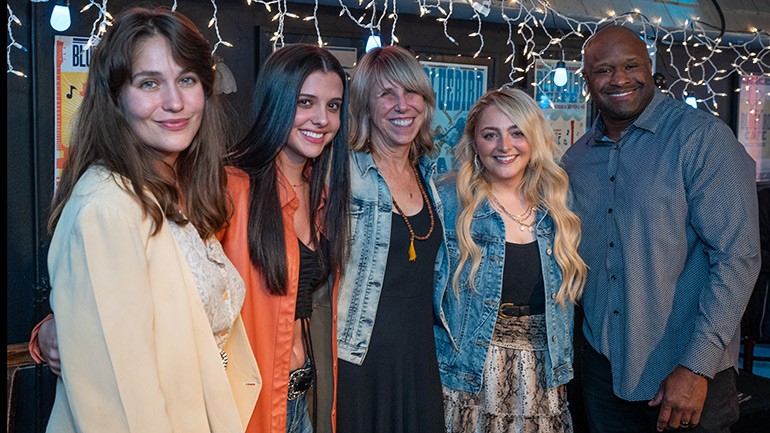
(71, 59)
(457, 88)
(754, 121)
(563, 106)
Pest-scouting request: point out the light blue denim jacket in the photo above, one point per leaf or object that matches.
(371, 212)
(462, 351)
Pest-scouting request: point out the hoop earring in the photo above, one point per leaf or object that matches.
(478, 168)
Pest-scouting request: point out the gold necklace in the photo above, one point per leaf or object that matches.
(412, 252)
(519, 219)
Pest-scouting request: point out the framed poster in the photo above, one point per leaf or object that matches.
(564, 107)
(457, 87)
(71, 60)
(754, 121)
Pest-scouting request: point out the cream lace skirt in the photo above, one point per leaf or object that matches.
(513, 397)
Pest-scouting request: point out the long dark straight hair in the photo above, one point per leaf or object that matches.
(275, 106)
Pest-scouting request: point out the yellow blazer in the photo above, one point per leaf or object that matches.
(136, 346)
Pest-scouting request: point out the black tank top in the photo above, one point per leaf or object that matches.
(523, 277)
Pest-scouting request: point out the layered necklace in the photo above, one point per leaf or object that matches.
(520, 218)
(413, 236)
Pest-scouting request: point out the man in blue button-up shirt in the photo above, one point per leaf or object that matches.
(668, 203)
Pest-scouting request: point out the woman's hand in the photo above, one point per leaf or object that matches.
(49, 346)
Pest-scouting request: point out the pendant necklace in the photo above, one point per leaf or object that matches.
(412, 252)
(519, 219)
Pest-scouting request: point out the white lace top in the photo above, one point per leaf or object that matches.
(220, 286)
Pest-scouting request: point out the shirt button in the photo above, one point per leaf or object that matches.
(613, 277)
(553, 295)
(549, 251)
(612, 178)
(554, 338)
(612, 244)
(558, 378)
(616, 312)
(609, 210)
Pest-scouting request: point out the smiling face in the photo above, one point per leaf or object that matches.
(163, 103)
(317, 119)
(618, 72)
(502, 148)
(397, 114)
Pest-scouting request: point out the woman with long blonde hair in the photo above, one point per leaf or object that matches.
(514, 273)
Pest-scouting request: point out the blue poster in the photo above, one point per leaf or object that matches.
(457, 88)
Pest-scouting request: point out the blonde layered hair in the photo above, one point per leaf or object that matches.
(545, 184)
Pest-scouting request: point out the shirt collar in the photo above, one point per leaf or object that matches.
(363, 162)
(286, 194)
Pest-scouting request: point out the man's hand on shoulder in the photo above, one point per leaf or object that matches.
(680, 396)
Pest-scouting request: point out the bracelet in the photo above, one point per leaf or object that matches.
(703, 375)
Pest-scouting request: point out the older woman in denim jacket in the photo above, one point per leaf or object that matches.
(388, 371)
(514, 274)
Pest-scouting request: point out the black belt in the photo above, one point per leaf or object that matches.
(508, 309)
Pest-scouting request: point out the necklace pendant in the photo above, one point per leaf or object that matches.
(531, 229)
(522, 228)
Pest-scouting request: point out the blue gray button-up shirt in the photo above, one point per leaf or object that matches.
(670, 235)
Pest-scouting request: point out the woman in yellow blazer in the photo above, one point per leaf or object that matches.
(146, 303)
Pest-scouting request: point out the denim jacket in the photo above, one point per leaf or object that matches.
(371, 212)
(463, 345)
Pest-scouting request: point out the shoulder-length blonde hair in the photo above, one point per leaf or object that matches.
(545, 185)
(399, 66)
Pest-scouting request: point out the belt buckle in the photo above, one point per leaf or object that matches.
(503, 306)
(300, 381)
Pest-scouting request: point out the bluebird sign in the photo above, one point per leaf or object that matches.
(457, 87)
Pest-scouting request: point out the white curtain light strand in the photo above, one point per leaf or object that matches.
(526, 20)
(13, 45)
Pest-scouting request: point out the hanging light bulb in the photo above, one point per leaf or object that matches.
(373, 42)
(560, 74)
(691, 101)
(60, 17)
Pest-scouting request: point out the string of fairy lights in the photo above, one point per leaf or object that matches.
(526, 21)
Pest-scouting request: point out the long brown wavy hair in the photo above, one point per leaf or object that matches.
(102, 135)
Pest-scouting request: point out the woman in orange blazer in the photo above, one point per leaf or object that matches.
(288, 234)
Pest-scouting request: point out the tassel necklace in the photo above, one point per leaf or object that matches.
(519, 219)
(412, 252)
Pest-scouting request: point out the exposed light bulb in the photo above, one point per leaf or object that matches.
(60, 17)
(690, 100)
(373, 42)
(560, 74)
